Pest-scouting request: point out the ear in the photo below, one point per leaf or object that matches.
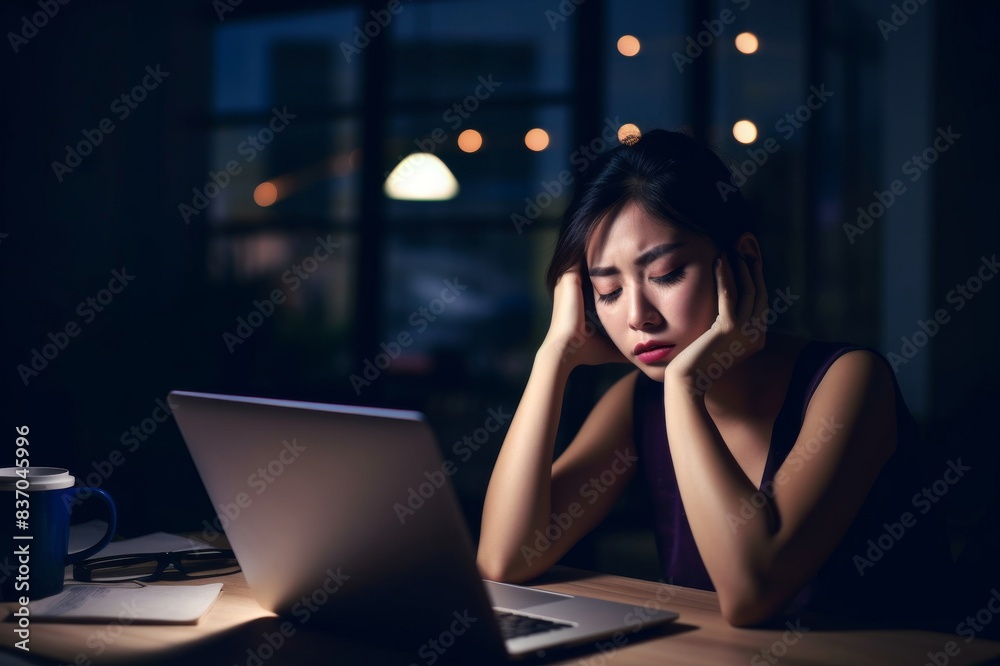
(747, 247)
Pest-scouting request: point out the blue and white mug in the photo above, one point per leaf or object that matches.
(35, 505)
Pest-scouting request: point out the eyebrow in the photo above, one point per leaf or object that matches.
(643, 259)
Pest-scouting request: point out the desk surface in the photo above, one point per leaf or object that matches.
(236, 629)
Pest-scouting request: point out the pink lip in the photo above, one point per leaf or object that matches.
(652, 351)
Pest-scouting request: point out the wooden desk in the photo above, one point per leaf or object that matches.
(235, 631)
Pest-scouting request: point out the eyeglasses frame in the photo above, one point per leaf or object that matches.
(82, 571)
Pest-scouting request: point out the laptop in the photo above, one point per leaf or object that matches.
(344, 517)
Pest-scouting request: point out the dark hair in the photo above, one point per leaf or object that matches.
(671, 176)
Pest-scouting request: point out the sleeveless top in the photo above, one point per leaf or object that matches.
(883, 566)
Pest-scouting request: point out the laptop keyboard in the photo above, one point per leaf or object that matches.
(513, 625)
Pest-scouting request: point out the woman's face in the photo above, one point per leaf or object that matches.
(654, 286)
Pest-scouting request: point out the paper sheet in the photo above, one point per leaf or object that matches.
(168, 604)
(85, 534)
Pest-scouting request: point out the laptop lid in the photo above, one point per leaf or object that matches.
(308, 496)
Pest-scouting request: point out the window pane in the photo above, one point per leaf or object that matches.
(441, 48)
(309, 170)
(646, 89)
(461, 293)
(493, 180)
(258, 62)
(310, 268)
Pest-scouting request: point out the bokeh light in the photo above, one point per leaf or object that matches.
(746, 42)
(628, 45)
(265, 194)
(745, 131)
(470, 141)
(536, 139)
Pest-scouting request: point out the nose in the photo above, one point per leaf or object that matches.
(642, 314)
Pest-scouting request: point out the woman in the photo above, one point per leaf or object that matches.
(771, 460)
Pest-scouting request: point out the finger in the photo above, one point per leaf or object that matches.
(570, 282)
(568, 295)
(726, 288)
(572, 274)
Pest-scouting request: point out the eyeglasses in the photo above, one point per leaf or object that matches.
(147, 567)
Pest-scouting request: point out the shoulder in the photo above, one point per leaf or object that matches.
(812, 361)
(842, 367)
(861, 362)
(855, 388)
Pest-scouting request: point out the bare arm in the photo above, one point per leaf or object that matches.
(536, 510)
(758, 564)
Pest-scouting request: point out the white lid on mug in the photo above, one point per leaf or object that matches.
(38, 478)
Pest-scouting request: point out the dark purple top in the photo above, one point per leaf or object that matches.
(893, 584)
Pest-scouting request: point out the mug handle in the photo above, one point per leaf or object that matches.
(73, 558)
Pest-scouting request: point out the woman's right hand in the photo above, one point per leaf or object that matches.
(527, 490)
(570, 333)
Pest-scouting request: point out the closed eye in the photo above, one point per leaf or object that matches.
(673, 277)
(610, 297)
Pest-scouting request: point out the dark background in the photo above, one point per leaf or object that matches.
(559, 70)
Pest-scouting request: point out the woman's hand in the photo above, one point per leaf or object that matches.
(527, 489)
(726, 342)
(571, 334)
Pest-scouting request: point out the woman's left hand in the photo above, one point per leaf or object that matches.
(737, 333)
